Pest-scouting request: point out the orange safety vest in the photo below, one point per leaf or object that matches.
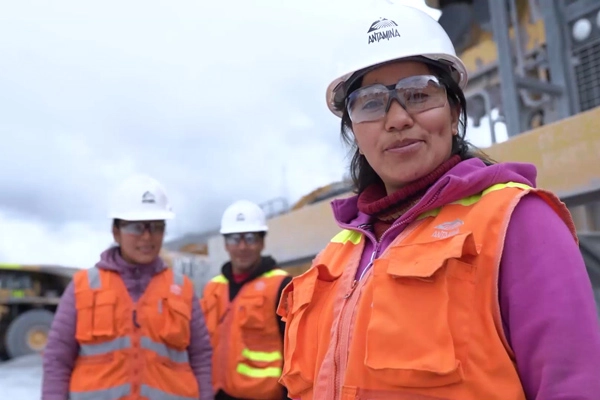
(133, 350)
(424, 323)
(245, 336)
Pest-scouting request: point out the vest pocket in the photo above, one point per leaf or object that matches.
(301, 338)
(95, 315)
(419, 328)
(175, 330)
(252, 312)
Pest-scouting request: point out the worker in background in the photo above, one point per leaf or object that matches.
(130, 326)
(240, 310)
(453, 277)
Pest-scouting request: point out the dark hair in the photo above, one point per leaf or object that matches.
(363, 175)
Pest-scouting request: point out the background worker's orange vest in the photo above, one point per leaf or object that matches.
(423, 323)
(133, 350)
(245, 336)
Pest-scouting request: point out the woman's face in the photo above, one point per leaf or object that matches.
(140, 241)
(404, 143)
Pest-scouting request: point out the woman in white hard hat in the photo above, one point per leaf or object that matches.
(130, 326)
(453, 277)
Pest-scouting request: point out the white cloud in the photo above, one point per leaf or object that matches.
(73, 244)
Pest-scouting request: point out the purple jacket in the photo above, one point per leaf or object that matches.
(62, 348)
(545, 294)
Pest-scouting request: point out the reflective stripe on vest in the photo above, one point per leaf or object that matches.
(105, 394)
(260, 356)
(121, 391)
(155, 394)
(123, 343)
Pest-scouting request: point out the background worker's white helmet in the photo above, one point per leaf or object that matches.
(243, 216)
(140, 198)
(385, 32)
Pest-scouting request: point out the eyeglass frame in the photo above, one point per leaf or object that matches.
(393, 95)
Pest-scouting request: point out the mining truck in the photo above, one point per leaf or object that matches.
(29, 295)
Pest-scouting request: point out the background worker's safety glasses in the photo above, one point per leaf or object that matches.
(415, 94)
(139, 227)
(236, 238)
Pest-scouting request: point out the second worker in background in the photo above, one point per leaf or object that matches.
(240, 311)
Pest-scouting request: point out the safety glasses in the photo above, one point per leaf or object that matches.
(139, 227)
(249, 238)
(415, 94)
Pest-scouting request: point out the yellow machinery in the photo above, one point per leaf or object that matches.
(29, 295)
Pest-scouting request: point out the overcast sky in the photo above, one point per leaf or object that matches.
(218, 100)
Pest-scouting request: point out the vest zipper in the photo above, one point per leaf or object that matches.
(378, 243)
(345, 318)
(135, 321)
(355, 282)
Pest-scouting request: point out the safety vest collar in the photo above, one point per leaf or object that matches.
(222, 279)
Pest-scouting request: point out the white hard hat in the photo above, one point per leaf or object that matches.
(140, 198)
(387, 32)
(243, 216)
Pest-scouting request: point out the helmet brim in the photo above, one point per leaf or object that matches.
(143, 215)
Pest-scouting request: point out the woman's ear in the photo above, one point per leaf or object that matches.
(454, 119)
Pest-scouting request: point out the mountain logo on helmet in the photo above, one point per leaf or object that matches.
(148, 197)
(240, 217)
(382, 29)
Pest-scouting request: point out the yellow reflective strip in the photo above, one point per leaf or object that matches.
(262, 356)
(347, 235)
(120, 343)
(430, 213)
(270, 372)
(219, 279)
(506, 185)
(115, 392)
(470, 200)
(275, 272)
(467, 201)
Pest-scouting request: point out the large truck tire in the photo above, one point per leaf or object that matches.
(28, 333)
